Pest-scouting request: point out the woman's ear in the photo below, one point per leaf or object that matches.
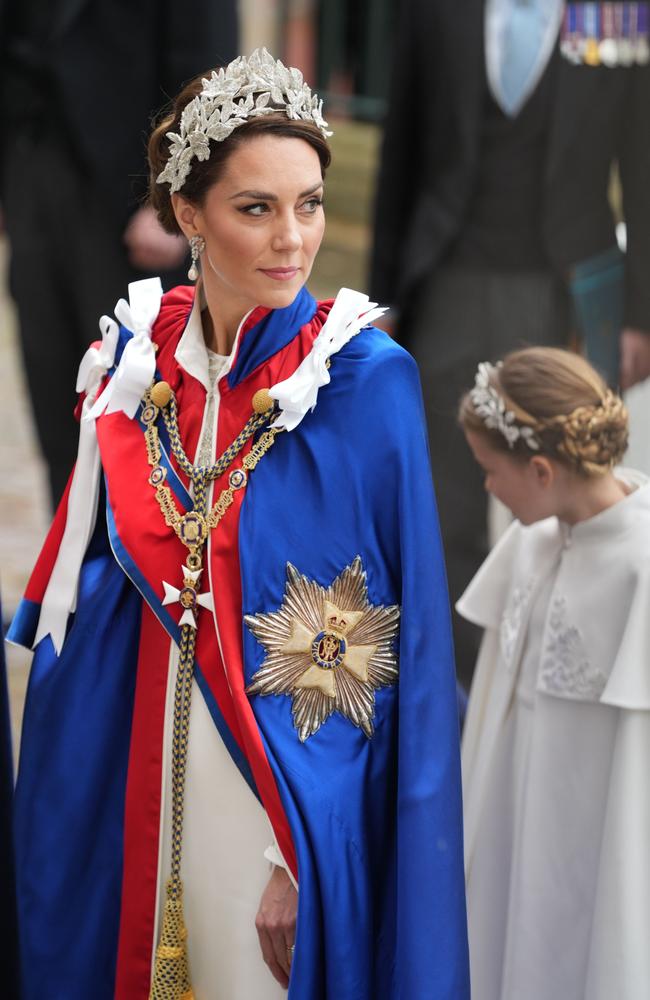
(543, 471)
(188, 216)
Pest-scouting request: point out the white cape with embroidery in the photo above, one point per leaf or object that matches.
(556, 752)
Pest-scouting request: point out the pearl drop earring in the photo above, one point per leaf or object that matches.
(197, 246)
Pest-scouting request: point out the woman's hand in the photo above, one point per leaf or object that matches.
(276, 924)
(635, 357)
(149, 247)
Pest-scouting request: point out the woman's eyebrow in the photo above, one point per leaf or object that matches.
(267, 196)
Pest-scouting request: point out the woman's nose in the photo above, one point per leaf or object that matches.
(287, 235)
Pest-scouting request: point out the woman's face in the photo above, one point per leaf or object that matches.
(262, 223)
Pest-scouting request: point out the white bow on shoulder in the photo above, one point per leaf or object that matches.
(297, 395)
(138, 363)
(137, 368)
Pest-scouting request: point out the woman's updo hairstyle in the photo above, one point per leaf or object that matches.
(574, 417)
(205, 173)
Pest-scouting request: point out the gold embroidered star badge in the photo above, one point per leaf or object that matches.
(329, 649)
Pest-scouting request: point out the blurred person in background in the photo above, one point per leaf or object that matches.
(492, 212)
(74, 72)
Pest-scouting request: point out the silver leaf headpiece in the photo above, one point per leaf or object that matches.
(246, 88)
(490, 406)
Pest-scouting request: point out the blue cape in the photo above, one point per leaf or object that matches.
(376, 822)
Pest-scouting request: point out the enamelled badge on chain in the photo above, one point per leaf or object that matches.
(328, 649)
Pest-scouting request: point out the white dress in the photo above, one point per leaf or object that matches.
(556, 752)
(227, 835)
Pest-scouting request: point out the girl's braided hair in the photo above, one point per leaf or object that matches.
(573, 415)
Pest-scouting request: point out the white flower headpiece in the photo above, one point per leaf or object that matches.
(491, 408)
(246, 88)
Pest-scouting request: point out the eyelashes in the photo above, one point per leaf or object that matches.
(259, 208)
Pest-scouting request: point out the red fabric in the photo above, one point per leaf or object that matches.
(159, 555)
(142, 814)
(40, 577)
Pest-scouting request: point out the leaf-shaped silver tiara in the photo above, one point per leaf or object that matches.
(489, 405)
(246, 88)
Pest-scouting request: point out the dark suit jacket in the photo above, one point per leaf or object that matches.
(114, 63)
(431, 148)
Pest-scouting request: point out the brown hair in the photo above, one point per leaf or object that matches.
(205, 173)
(574, 416)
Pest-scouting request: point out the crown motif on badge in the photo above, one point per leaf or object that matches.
(338, 622)
(329, 649)
(246, 88)
(490, 406)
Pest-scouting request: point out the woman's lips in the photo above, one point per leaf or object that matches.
(280, 273)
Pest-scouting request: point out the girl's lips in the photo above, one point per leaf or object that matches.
(280, 273)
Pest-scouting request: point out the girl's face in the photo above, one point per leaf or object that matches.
(262, 223)
(527, 488)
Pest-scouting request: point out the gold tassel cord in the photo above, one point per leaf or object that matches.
(171, 980)
(171, 975)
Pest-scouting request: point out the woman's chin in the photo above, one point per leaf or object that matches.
(282, 296)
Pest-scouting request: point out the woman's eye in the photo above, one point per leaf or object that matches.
(313, 204)
(259, 208)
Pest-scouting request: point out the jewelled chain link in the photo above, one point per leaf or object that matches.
(171, 973)
(208, 473)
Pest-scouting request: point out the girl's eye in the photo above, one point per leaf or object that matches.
(313, 204)
(259, 208)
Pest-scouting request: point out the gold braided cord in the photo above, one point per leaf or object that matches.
(171, 977)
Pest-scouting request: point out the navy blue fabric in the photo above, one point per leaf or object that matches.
(8, 915)
(24, 623)
(270, 335)
(124, 337)
(69, 804)
(376, 823)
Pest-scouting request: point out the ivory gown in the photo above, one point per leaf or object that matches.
(226, 830)
(555, 760)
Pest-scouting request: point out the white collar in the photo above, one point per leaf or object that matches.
(620, 516)
(191, 351)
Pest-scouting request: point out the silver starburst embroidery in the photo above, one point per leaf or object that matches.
(329, 649)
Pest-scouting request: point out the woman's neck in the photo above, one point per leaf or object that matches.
(221, 319)
(593, 496)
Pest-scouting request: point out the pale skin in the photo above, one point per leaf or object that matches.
(635, 357)
(540, 486)
(262, 223)
(149, 247)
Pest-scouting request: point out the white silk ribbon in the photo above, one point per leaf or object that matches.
(60, 598)
(96, 361)
(297, 395)
(138, 362)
